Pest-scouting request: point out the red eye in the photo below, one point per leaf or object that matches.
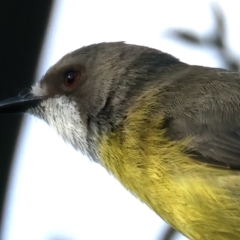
(71, 78)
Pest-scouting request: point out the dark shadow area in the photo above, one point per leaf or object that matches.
(22, 27)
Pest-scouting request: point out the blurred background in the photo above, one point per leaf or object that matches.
(48, 191)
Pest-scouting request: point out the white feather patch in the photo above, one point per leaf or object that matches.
(38, 90)
(63, 114)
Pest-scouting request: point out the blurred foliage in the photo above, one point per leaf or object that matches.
(216, 40)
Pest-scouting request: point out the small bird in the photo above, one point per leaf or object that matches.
(168, 131)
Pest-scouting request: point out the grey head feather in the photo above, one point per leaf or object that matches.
(110, 75)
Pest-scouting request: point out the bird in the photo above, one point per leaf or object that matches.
(167, 130)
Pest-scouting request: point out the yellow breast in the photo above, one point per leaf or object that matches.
(200, 201)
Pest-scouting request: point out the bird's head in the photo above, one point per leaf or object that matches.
(88, 90)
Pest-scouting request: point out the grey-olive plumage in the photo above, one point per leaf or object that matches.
(111, 75)
(195, 101)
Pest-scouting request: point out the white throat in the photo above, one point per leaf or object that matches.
(62, 114)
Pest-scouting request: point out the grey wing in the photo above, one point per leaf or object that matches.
(208, 111)
(216, 147)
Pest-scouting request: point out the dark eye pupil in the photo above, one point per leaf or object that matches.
(71, 77)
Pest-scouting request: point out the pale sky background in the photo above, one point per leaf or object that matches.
(55, 193)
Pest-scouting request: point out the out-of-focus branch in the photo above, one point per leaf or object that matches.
(215, 40)
(169, 234)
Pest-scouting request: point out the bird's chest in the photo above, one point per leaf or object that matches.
(186, 194)
(138, 157)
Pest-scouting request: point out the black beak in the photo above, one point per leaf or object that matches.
(19, 104)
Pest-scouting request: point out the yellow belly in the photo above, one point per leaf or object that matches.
(200, 201)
